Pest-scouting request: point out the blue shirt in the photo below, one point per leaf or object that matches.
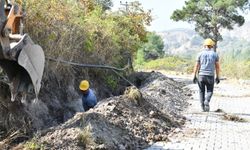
(89, 100)
(207, 59)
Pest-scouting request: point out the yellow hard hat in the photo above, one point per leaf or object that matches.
(84, 85)
(209, 42)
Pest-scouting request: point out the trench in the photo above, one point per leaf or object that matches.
(59, 100)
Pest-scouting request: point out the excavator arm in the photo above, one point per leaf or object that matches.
(21, 59)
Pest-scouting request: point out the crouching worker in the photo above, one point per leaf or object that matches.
(88, 96)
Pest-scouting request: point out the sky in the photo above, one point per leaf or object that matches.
(161, 12)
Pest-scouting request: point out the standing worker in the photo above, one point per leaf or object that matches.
(207, 62)
(88, 96)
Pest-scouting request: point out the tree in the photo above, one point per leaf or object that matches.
(140, 57)
(153, 49)
(138, 19)
(209, 16)
(106, 4)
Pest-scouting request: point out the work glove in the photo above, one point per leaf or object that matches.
(217, 80)
(195, 80)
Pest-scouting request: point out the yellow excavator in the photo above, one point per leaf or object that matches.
(20, 59)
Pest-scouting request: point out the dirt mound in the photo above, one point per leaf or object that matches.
(165, 93)
(129, 121)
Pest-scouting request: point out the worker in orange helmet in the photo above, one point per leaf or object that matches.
(88, 97)
(207, 63)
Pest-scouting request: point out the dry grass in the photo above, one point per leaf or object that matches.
(9, 141)
(134, 94)
(85, 138)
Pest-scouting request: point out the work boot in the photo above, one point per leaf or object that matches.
(206, 106)
(202, 107)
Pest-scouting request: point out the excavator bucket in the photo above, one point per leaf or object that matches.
(21, 59)
(32, 59)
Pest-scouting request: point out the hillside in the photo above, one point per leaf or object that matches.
(186, 42)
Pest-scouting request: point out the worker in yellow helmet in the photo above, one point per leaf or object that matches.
(88, 97)
(207, 63)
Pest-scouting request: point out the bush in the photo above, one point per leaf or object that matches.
(84, 32)
(236, 69)
(171, 63)
(111, 81)
(33, 145)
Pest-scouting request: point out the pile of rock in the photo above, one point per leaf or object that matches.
(130, 121)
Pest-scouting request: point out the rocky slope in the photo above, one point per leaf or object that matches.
(186, 42)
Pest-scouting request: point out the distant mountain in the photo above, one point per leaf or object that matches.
(242, 32)
(187, 42)
(180, 41)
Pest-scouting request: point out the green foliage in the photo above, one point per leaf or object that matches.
(137, 18)
(209, 16)
(236, 63)
(236, 69)
(140, 60)
(170, 63)
(111, 81)
(235, 57)
(33, 145)
(55, 26)
(150, 50)
(84, 32)
(153, 49)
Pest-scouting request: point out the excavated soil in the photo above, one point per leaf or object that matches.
(133, 120)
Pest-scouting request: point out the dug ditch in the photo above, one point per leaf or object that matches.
(133, 120)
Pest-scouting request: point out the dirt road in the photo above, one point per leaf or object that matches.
(225, 127)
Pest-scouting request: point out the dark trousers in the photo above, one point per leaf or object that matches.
(206, 82)
(87, 107)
